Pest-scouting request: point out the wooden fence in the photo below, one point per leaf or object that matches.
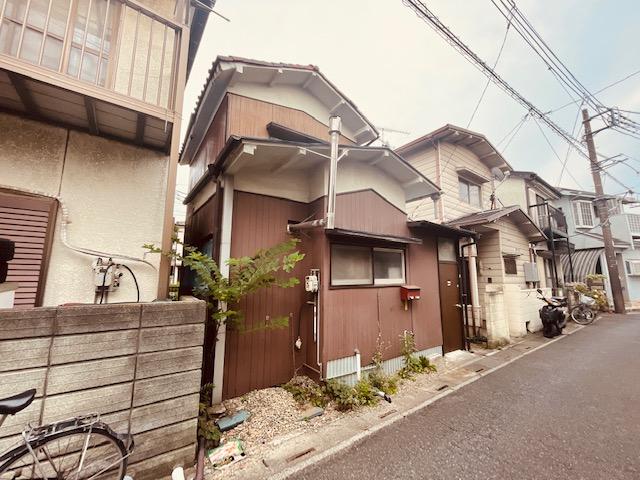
(138, 365)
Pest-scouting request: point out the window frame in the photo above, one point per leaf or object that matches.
(375, 283)
(504, 264)
(578, 213)
(468, 184)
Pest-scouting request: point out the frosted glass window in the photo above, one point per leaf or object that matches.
(388, 266)
(351, 265)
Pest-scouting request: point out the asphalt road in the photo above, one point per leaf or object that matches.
(570, 410)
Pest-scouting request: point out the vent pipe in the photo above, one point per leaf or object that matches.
(329, 220)
(334, 132)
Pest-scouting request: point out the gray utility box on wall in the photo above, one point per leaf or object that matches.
(531, 272)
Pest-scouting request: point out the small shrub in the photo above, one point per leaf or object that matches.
(341, 394)
(365, 393)
(598, 295)
(413, 364)
(383, 381)
(207, 428)
(305, 390)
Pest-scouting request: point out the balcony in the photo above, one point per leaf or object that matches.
(105, 66)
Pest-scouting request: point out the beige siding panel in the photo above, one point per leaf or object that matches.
(154, 390)
(98, 373)
(514, 241)
(164, 413)
(425, 162)
(16, 423)
(489, 260)
(12, 383)
(35, 323)
(159, 314)
(75, 348)
(83, 319)
(162, 440)
(167, 338)
(26, 353)
(97, 400)
(156, 468)
(162, 363)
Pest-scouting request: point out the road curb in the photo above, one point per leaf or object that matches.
(345, 444)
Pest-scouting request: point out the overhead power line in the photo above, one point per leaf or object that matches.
(432, 20)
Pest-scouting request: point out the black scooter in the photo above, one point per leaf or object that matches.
(552, 315)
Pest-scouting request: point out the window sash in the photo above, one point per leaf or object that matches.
(368, 274)
(583, 213)
(510, 262)
(469, 192)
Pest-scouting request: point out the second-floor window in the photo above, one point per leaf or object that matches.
(469, 192)
(101, 42)
(583, 213)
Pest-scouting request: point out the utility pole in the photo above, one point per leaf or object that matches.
(603, 216)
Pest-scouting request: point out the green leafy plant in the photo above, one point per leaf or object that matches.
(306, 391)
(365, 393)
(378, 377)
(598, 295)
(341, 394)
(412, 363)
(207, 428)
(246, 275)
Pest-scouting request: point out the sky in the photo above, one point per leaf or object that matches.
(403, 76)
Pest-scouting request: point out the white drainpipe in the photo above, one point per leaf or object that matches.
(473, 285)
(225, 254)
(358, 365)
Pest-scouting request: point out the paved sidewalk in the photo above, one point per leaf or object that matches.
(289, 455)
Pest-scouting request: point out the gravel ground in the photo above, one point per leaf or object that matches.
(275, 417)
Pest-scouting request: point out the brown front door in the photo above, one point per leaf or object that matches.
(451, 312)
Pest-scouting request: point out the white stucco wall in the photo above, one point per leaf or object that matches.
(115, 195)
(512, 192)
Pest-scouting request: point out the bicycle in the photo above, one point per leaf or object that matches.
(80, 448)
(584, 313)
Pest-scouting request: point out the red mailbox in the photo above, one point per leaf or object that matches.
(409, 293)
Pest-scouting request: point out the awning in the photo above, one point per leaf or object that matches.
(584, 262)
(354, 234)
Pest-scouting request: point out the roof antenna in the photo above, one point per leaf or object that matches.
(499, 176)
(383, 139)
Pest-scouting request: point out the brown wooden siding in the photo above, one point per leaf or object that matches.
(263, 358)
(249, 117)
(28, 221)
(367, 211)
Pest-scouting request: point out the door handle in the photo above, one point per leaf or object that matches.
(458, 305)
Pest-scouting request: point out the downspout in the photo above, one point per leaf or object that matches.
(329, 220)
(473, 283)
(464, 296)
(225, 254)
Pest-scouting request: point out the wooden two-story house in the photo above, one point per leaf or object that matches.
(90, 106)
(258, 149)
(500, 265)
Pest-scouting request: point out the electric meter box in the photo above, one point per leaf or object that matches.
(409, 292)
(531, 272)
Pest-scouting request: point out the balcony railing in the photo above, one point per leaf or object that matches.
(113, 44)
(544, 218)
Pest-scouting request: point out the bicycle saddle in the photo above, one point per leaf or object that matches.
(12, 405)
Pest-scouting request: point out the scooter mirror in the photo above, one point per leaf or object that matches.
(539, 290)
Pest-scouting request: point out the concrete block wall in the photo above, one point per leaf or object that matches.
(495, 317)
(522, 307)
(138, 365)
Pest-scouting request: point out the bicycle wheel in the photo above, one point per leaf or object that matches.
(79, 453)
(582, 315)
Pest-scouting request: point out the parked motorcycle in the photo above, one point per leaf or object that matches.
(552, 315)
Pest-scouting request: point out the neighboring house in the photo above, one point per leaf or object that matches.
(586, 234)
(535, 196)
(502, 281)
(259, 157)
(91, 95)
